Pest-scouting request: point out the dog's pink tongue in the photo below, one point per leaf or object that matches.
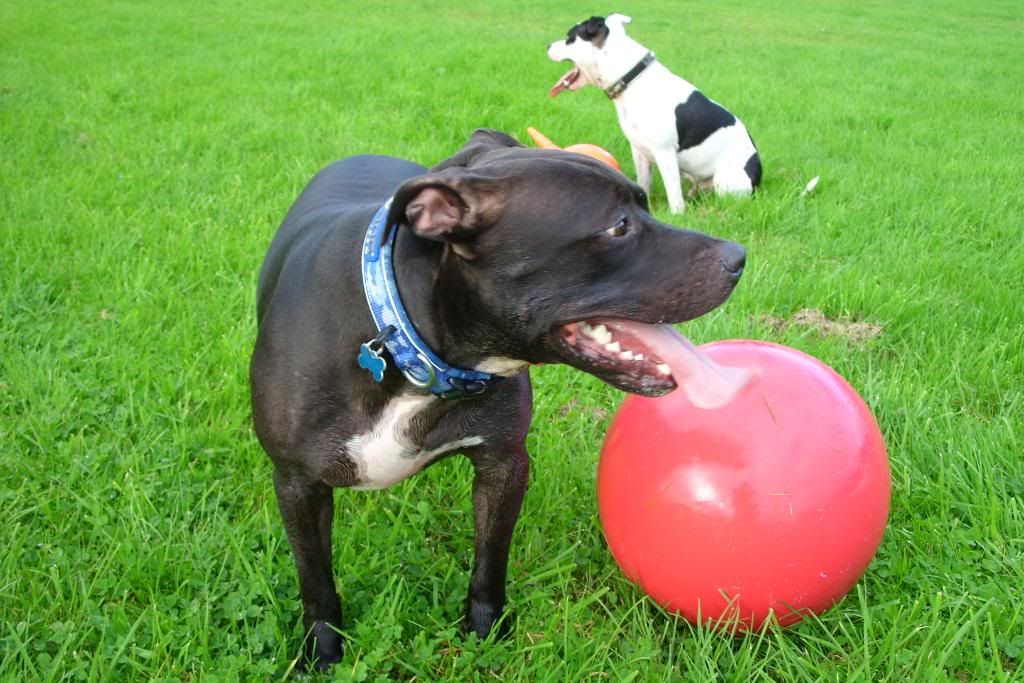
(706, 383)
(563, 83)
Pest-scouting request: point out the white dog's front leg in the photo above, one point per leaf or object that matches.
(668, 166)
(642, 164)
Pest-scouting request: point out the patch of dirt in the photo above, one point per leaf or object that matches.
(855, 331)
(568, 407)
(597, 412)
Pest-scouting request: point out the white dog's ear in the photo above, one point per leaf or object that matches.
(620, 19)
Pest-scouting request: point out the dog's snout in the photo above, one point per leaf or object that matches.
(733, 258)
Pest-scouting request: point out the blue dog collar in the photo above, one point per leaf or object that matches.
(396, 332)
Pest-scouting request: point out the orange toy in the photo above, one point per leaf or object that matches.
(594, 151)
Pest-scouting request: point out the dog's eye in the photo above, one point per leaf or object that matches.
(620, 229)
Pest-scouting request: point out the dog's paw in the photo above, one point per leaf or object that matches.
(324, 647)
(485, 620)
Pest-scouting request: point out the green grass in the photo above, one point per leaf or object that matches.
(148, 152)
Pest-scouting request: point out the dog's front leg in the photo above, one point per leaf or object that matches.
(307, 508)
(499, 485)
(642, 164)
(668, 166)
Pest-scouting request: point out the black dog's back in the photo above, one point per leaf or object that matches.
(357, 184)
(365, 179)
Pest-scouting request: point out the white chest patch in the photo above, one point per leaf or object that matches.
(386, 455)
(498, 365)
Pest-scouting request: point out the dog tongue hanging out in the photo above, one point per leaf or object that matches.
(566, 82)
(669, 123)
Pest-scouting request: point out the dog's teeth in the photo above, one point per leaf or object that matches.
(614, 347)
(664, 369)
(602, 335)
(626, 355)
(585, 328)
(639, 356)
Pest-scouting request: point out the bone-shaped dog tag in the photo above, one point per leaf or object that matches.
(369, 354)
(369, 358)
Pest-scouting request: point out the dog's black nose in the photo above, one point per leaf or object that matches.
(733, 258)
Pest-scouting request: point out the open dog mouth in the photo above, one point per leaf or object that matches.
(565, 82)
(650, 360)
(619, 352)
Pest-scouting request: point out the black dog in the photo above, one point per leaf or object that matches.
(499, 257)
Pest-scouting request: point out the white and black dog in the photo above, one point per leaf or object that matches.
(667, 120)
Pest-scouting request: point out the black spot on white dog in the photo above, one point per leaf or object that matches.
(697, 118)
(753, 169)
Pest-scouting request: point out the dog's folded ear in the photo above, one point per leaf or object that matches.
(451, 206)
(482, 141)
(453, 202)
(619, 19)
(594, 30)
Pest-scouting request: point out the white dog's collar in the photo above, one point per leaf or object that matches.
(617, 88)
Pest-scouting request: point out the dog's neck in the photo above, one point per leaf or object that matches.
(416, 262)
(424, 267)
(613, 64)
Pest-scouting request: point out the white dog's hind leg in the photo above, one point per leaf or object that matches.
(732, 181)
(694, 186)
(668, 166)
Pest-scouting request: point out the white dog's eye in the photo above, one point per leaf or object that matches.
(619, 229)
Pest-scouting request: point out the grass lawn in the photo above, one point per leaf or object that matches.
(148, 152)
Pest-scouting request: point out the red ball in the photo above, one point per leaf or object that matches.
(771, 505)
